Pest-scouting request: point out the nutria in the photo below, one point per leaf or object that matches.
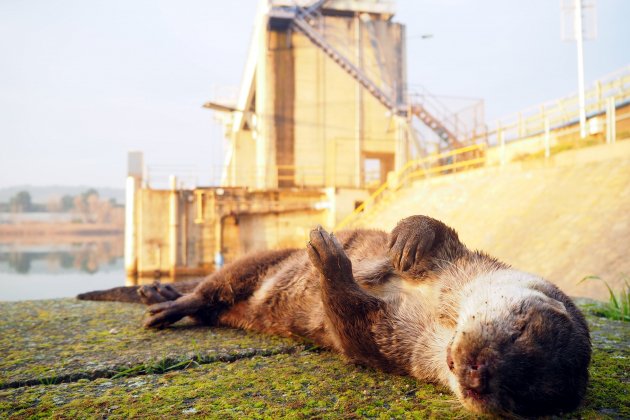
(415, 302)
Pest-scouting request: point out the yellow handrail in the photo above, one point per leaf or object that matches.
(563, 110)
(412, 163)
(456, 165)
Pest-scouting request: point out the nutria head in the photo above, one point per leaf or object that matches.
(520, 348)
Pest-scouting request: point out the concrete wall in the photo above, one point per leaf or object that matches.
(314, 124)
(343, 201)
(226, 220)
(242, 168)
(152, 224)
(276, 231)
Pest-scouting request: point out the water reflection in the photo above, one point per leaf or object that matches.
(58, 267)
(55, 267)
(91, 256)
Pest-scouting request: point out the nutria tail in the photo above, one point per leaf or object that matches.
(117, 294)
(130, 293)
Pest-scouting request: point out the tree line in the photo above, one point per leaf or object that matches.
(87, 206)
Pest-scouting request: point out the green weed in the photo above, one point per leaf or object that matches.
(51, 380)
(618, 305)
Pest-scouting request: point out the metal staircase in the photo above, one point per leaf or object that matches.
(434, 124)
(303, 21)
(303, 26)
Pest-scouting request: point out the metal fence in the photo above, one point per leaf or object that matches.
(564, 112)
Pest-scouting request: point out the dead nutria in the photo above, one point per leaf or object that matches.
(415, 302)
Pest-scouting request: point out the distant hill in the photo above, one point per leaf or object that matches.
(41, 194)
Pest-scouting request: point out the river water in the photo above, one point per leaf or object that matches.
(54, 269)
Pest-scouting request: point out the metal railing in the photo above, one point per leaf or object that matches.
(562, 112)
(440, 163)
(457, 125)
(475, 155)
(294, 176)
(601, 129)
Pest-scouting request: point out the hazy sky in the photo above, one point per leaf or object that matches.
(82, 82)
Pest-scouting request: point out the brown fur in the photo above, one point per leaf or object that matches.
(414, 302)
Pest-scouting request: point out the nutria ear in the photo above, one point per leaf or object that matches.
(547, 323)
(555, 305)
(538, 304)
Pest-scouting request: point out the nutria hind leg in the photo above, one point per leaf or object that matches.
(235, 282)
(168, 312)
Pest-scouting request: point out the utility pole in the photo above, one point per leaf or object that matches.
(579, 37)
(579, 22)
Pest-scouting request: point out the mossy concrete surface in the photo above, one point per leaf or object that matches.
(51, 350)
(49, 341)
(304, 384)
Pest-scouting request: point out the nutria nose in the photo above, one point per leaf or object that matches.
(475, 377)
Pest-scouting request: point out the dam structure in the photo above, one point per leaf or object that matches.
(321, 118)
(325, 130)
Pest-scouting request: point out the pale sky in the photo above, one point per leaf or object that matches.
(82, 82)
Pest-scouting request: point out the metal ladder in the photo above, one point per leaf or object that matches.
(301, 23)
(434, 124)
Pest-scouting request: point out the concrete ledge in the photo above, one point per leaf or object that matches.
(53, 341)
(59, 348)
(295, 386)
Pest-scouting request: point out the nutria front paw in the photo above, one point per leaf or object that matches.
(328, 256)
(412, 240)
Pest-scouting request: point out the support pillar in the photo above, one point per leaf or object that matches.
(131, 237)
(133, 214)
(547, 139)
(173, 226)
(611, 121)
(501, 139)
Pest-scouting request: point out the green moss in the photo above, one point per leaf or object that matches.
(162, 374)
(67, 339)
(609, 388)
(296, 386)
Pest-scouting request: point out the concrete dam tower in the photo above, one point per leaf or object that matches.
(321, 118)
(323, 101)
